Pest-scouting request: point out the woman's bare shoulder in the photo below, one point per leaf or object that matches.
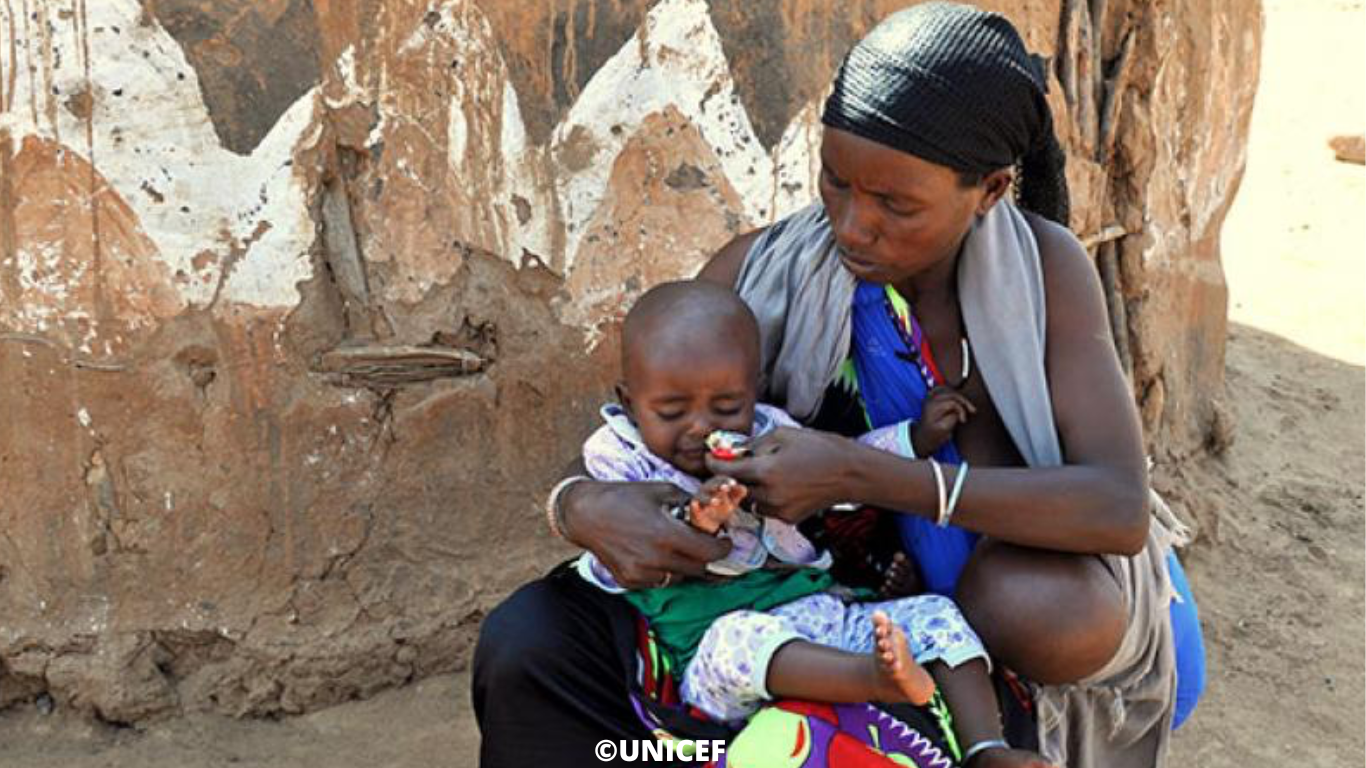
(1060, 252)
(1070, 280)
(724, 266)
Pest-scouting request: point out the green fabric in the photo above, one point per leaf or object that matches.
(899, 303)
(681, 614)
(846, 378)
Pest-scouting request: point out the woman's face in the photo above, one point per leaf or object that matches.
(894, 215)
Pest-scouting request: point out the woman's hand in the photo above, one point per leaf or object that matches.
(792, 473)
(625, 525)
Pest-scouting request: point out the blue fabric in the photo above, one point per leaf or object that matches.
(1189, 642)
(893, 391)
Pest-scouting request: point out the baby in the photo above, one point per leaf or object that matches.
(781, 627)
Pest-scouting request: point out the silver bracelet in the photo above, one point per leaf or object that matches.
(940, 488)
(552, 504)
(981, 747)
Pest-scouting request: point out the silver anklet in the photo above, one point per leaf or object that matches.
(982, 746)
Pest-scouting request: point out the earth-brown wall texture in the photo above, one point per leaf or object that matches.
(303, 303)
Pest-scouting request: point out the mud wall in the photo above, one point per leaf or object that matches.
(304, 302)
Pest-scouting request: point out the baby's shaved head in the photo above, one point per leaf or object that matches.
(674, 321)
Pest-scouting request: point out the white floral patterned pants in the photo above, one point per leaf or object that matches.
(727, 678)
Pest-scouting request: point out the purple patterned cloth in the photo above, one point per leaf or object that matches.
(796, 734)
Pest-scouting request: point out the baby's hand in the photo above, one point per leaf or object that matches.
(715, 502)
(1008, 758)
(945, 408)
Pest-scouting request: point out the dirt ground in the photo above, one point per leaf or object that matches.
(1278, 565)
(1279, 570)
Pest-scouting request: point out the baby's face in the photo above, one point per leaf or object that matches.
(677, 402)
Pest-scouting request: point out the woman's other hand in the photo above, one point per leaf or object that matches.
(626, 526)
(792, 473)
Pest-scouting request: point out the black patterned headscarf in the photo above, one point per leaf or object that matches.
(954, 85)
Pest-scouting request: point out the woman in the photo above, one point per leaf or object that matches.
(914, 272)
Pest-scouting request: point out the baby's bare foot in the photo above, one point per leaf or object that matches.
(900, 678)
(901, 579)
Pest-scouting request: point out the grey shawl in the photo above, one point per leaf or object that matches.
(793, 280)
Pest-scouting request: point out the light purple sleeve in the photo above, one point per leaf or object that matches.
(608, 457)
(778, 416)
(893, 438)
